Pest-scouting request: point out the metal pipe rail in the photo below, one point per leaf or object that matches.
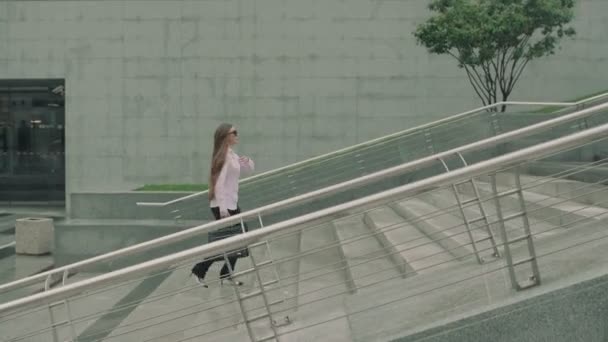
(228, 300)
(243, 240)
(135, 326)
(305, 198)
(384, 138)
(311, 274)
(141, 325)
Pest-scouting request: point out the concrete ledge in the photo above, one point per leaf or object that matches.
(123, 205)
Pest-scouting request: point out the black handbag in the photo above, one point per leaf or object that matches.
(230, 231)
(242, 253)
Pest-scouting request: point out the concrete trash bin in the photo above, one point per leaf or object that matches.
(34, 236)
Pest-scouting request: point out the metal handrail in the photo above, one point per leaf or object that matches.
(293, 298)
(380, 139)
(307, 197)
(8, 245)
(242, 240)
(314, 273)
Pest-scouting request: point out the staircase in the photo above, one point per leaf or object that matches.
(372, 275)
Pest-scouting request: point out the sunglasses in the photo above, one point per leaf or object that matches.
(236, 134)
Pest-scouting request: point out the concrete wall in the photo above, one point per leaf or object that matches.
(148, 81)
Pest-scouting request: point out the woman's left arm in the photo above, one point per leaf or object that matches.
(247, 164)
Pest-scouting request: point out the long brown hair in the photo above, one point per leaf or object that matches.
(220, 148)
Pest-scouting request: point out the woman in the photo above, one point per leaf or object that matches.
(226, 168)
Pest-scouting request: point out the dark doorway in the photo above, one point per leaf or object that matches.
(32, 141)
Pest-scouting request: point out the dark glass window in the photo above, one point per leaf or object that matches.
(32, 136)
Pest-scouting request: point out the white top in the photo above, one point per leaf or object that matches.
(227, 184)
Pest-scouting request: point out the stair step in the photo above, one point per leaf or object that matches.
(556, 211)
(581, 192)
(424, 302)
(322, 265)
(415, 248)
(513, 227)
(400, 261)
(366, 258)
(445, 229)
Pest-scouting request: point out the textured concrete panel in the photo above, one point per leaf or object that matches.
(149, 81)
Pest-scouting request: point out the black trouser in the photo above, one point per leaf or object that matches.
(200, 269)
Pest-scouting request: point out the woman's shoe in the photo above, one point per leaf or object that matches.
(230, 281)
(200, 280)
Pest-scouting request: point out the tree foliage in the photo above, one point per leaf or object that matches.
(494, 40)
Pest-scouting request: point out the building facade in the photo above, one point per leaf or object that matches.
(147, 81)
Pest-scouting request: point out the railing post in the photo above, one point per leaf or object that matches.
(534, 278)
(68, 312)
(56, 325)
(428, 138)
(239, 299)
(47, 281)
(64, 278)
(495, 123)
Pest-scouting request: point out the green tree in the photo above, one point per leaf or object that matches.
(494, 40)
